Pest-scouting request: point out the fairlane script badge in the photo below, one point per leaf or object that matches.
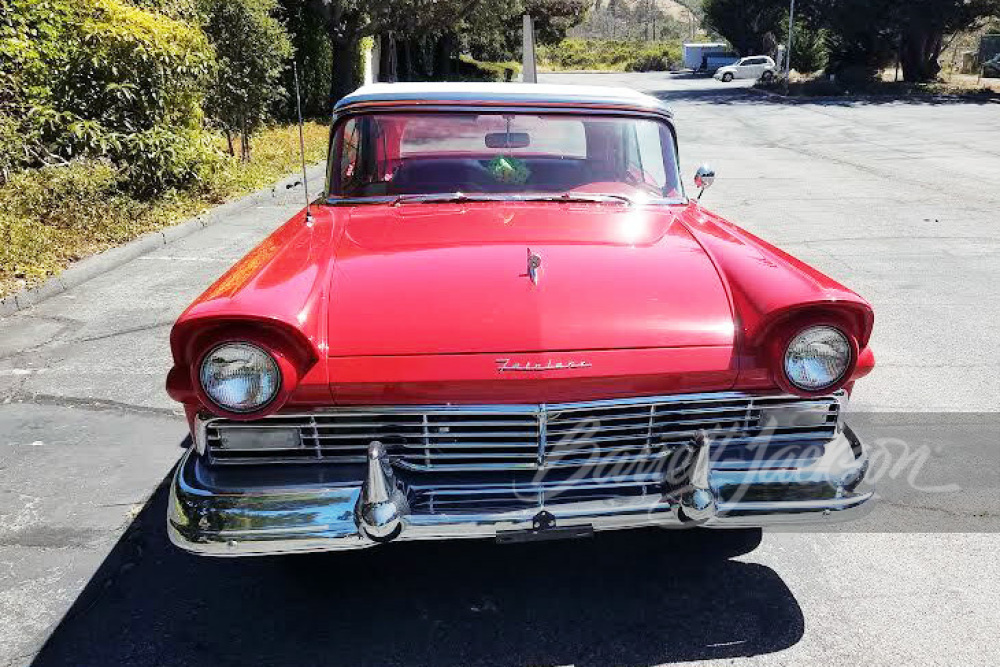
(506, 365)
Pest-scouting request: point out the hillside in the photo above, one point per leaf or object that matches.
(645, 20)
(677, 10)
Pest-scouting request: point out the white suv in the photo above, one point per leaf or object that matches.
(751, 67)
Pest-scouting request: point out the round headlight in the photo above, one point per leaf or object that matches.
(240, 377)
(817, 357)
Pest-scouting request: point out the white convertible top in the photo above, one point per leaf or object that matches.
(534, 94)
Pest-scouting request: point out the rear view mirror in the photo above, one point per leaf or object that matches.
(508, 140)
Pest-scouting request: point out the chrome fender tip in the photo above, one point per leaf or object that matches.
(697, 502)
(382, 506)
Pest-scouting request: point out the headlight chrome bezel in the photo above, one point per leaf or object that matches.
(271, 361)
(848, 346)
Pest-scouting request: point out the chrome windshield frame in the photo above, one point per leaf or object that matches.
(475, 198)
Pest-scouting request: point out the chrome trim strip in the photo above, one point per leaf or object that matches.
(528, 408)
(346, 108)
(543, 434)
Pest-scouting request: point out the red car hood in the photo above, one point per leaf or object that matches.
(423, 279)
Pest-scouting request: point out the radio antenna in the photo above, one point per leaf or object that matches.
(302, 140)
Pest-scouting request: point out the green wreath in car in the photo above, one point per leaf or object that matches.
(509, 170)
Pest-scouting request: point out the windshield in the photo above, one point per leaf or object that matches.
(387, 155)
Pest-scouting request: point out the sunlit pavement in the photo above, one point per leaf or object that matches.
(895, 200)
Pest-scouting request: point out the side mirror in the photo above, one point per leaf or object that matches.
(703, 178)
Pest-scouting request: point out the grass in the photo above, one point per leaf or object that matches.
(54, 216)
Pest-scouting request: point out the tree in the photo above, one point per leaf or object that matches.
(423, 38)
(861, 36)
(643, 20)
(923, 24)
(346, 23)
(428, 36)
(251, 49)
(314, 56)
(866, 35)
(553, 18)
(809, 46)
(488, 34)
(751, 26)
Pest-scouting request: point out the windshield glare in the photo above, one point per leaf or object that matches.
(380, 155)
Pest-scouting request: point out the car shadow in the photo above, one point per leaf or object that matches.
(639, 597)
(686, 75)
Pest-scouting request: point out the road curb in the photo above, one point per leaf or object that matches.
(768, 93)
(95, 265)
(920, 97)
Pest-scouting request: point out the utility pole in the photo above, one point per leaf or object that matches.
(528, 72)
(788, 47)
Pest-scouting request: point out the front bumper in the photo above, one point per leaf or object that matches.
(273, 511)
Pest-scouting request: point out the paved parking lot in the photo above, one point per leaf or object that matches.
(896, 200)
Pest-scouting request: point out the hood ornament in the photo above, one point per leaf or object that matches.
(534, 266)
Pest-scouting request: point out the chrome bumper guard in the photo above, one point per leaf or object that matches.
(274, 516)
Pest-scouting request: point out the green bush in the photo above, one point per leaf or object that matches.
(655, 59)
(61, 197)
(23, 242)
(605, 54)
(158, 159)
(469, 69)
(585, 54)
(12, 145)
(648, 62)
(87, 77)
(809, 50)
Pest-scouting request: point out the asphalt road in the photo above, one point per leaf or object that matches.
(895, 200)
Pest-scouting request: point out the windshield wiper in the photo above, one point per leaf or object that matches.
(459, 197)
(585, 198)
(361, 201)
(442, 198)
(395, 200)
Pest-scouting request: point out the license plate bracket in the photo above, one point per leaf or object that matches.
(544, 534)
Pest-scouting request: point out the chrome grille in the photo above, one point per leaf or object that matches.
(615, 432)
(528, 437)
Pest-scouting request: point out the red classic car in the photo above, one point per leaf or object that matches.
(505, 319)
